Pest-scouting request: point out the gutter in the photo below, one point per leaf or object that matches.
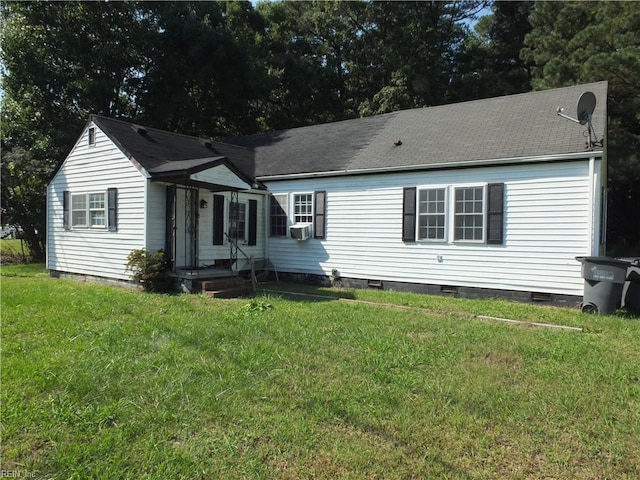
(437, 166)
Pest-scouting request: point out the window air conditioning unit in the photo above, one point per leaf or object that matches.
(300, 231)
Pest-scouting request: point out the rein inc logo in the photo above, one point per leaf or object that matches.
(16, 474)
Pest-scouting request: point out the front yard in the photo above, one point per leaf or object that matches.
(107, 382)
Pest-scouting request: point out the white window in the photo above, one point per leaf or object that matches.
(88, 210)
(92, 136)
(469, 214)
(432, 212)
(79, 210)
(97, 215)
(303, 208)
(238, 220)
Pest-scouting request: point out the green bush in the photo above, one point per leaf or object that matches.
(149, 269)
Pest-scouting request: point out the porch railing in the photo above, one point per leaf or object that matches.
(252, 261)
(250, 258)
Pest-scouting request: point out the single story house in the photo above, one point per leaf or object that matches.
(493, 197)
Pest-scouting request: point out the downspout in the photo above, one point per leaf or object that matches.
(47, 226)
(604, 188)
(593, 207)
(196, 227)
(266, 225)
(145, 213)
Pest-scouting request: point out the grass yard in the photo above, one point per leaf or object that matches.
(13, 251)
(103, 382)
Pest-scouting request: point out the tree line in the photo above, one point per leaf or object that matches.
(221, 69)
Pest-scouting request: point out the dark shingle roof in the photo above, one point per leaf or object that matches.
(163, 153)
(494, 129)
(325, 147)
(482, 131)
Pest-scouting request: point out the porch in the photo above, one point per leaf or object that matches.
(214, 233)
(223, 282)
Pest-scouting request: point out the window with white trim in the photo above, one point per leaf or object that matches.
(303, 208)
(97, 210)
(238, 220)
(455, 214)
(432, 214)
(469, 214)
(91, 136)
(278, 215)
(79, 210)
(88, 210)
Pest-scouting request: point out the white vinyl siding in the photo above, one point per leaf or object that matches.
(88, 172)
(208, 252)
(156, 204)
(547, 223)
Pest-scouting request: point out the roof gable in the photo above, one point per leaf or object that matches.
(165, 154)
(220, 175)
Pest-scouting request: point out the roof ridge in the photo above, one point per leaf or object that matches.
(137, 124)
(545, 91)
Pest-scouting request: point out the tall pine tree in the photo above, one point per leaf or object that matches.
(580, 42)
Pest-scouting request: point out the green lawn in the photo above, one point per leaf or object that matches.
(103, 382)
(13, 251)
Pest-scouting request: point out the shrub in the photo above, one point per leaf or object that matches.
(149, 269)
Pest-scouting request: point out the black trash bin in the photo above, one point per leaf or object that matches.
(631, 290)
(604, 279)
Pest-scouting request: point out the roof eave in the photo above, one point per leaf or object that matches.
(188, 171)
(437, 166)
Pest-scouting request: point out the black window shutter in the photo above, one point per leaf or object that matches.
(112, 212)
(65, 209)
(495, 214)
(319, 216)
(253, 222)
(409, 214)
(218, 219)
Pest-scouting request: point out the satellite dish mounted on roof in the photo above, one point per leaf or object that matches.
(585, 108)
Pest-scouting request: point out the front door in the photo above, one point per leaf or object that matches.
(182, 226)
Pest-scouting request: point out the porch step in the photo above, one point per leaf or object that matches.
(228, 292)
(225, 287)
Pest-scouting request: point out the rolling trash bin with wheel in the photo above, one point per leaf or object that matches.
(604, 279)
(631, 291)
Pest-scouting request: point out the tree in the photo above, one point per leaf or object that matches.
(309, 47)
(579, 42)
(218, 69)
(335, 60)
(61, 61)
(23, 199)
(409, 53)
(205, 75)
(489, 64)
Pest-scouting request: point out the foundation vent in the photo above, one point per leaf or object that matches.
(449, 290)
